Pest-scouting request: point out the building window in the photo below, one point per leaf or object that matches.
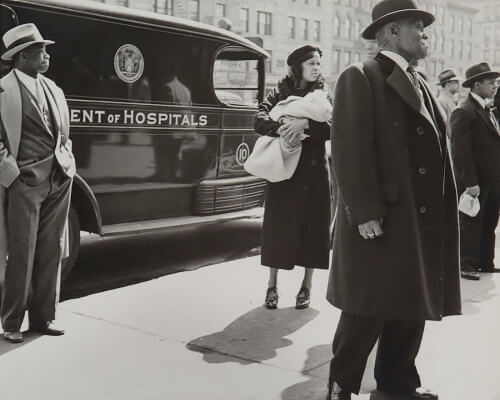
(164, 6)
(451, 48)
(469, 50)
(452, 23)
(486, 55)
(497, 57)
(220, 10)
(194, 10)
(318, 3)
(347, 56)
(317, 31)
(460, 49)
(245, 19)
(336, 60)
(291, 27)
(357, 29)
(460, 25)
(304, 27)
(268, 65)
(123, 3)
(497, 34)
(441, 43)
(347, 28)
(336, 26)
(264, 23)
(432, 41)
(357, 57)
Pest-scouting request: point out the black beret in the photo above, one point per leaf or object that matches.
(301, 54)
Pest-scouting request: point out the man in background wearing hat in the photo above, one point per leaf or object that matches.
(395, 251)
(36, 170)
(448, 96)
(475, 148)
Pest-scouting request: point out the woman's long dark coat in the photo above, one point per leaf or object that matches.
(297, 211)
(390, 164)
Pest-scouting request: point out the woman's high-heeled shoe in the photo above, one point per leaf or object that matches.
(271, 301)
(303, 298)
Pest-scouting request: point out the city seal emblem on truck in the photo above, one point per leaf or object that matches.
(129, 63)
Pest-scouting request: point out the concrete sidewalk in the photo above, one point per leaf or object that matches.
(205, 335)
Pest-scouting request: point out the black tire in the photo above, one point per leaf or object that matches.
(74, 244)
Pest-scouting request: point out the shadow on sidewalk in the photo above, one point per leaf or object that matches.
(6, 347)
(476, 292)
(253, 337)
(316, 370)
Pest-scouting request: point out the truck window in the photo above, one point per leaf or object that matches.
(8, 19)
(236, 78)
(156, 66)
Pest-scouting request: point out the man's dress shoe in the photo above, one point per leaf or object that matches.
(13, 336)
(471, 275)
(47, 328)
(337, 393)
(418, 394)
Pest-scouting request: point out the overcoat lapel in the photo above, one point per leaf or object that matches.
(484, 116)
(11, 111)
(400, 83)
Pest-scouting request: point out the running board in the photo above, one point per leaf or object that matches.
(161, 224)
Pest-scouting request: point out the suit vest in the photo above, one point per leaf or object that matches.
(37, 144)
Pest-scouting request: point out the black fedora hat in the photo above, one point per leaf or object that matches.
(448, 75)
(479, 71)
(390, 10)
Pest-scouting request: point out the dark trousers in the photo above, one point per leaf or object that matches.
(35, 219)
(477, 234)
(399, 342)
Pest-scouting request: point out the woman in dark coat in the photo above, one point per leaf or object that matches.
(297, 210)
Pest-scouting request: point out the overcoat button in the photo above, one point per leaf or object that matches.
(422, 171)
(422, 209)
(420, 130)
(314, 162)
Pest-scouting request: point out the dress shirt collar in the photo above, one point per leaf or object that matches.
(397, 58)
(28, 81)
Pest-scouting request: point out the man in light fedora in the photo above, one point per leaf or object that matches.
(395, 251)
(475, 148)
(449, 82)
(36, 170)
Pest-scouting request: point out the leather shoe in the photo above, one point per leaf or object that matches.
(337, 393)
(471, 275)
(13, 336)
(47, 328)
(418, 394)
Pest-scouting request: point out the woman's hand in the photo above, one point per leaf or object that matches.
(294, 124)
(291, 140)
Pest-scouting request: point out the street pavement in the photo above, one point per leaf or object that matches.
(204, 335)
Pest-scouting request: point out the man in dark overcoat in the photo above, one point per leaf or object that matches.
(475, 149)
(395, 255)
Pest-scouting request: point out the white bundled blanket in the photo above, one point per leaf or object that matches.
(270, 158)
(314, 105)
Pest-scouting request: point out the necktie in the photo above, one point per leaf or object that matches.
(489, 108)
(412, 74)
(42, 101)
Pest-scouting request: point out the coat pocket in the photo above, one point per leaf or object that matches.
(391, 192)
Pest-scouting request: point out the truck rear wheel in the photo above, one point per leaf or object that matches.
(74, 244)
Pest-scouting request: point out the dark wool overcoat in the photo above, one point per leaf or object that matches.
(391, 164)
(297, 211)
(475, 146)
